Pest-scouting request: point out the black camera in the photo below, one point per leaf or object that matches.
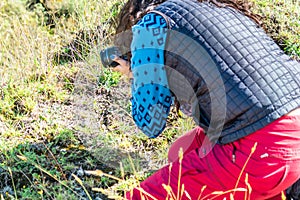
(106, 54)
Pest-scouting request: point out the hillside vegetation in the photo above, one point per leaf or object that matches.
(65, 122)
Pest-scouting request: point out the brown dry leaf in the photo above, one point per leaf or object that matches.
(98, 190)
(94, 172)
(22, 157)
(72, 146)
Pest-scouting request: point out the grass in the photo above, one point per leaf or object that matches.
(62, 114)
(281, 20)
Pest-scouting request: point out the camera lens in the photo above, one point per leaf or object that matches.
(105, 56)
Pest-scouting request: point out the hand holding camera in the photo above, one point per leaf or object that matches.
(112, 57)
(108, 54)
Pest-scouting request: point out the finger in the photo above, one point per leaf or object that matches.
(123, 71)
(121, 61)
(118, 68)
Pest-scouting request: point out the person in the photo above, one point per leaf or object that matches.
(221, 68)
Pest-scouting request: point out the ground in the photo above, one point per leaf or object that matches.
(64, 117)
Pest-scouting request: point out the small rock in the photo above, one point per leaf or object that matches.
(7, 189)
(80, 172)
(1, 170)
